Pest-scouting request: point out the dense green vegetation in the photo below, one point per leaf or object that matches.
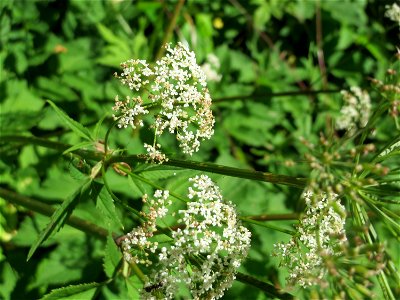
(282, 65)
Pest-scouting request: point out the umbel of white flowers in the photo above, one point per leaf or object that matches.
(320, 234)
(393, 12)
(356, 111)
(204, 253)
(175, 87)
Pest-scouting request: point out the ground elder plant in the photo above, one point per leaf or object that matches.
(157, 218)
(351, 189)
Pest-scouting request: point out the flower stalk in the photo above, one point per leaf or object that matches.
(296, 182)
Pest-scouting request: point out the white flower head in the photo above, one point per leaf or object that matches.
(211, 68)
(320, 233)
(356, 111)
(129, 110)
(176, 86)
(154, 153)
(393, 12)
(205, 251)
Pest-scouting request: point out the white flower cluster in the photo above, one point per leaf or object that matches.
(205, 252)
(393, 12)
(139, 237)
(130, 108)
(355, 114)
(176, 86)
(211, 67)
(320, 235)
(154, 154)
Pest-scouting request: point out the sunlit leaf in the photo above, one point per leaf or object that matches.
(72, 124)
(80, 291)
(112, 257)
(105, 204)
(59, 217)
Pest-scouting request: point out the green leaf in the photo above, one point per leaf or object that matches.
(133, 285)
(9, 281)
(388, 149)
(19, 98)
(81, 292)
(60, 216)
(71, 248)
(253, 127)
(77, 146)
(112, 257)
(109, 36)
(137, 187)
(261, 16)
(21, 61)
(155, 173)
(118, 49)
(12, 122)
(346, 12)
(96, 130)
(105, 204)
(72, 124)
(56, 90)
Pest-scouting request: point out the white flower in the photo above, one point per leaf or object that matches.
(154, 154)
(128, 112)
(177, 87)
(319, 233)
(204, 255)
(356, 111)
(393, 12)
(211, 67)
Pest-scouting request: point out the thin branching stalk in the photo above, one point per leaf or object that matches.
(170, 28)
(270, 226)
(274, 217)
(319, 39)
(115, 198)
(268, 288)
(361, 219)
(152, 184)
(267, 96)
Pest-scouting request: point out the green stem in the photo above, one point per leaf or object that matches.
(250, 219)
(277, 228)
(270, 95)
(61, 147)
(218, 169)
(48, 210)
(187, 164)
(149, 182)
(274, 217)
(139, 273)
(170, 28)
(361, 219)
(266, 287)
(107, 136)
(116, 199)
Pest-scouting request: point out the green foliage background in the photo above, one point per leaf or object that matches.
(67, 52)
